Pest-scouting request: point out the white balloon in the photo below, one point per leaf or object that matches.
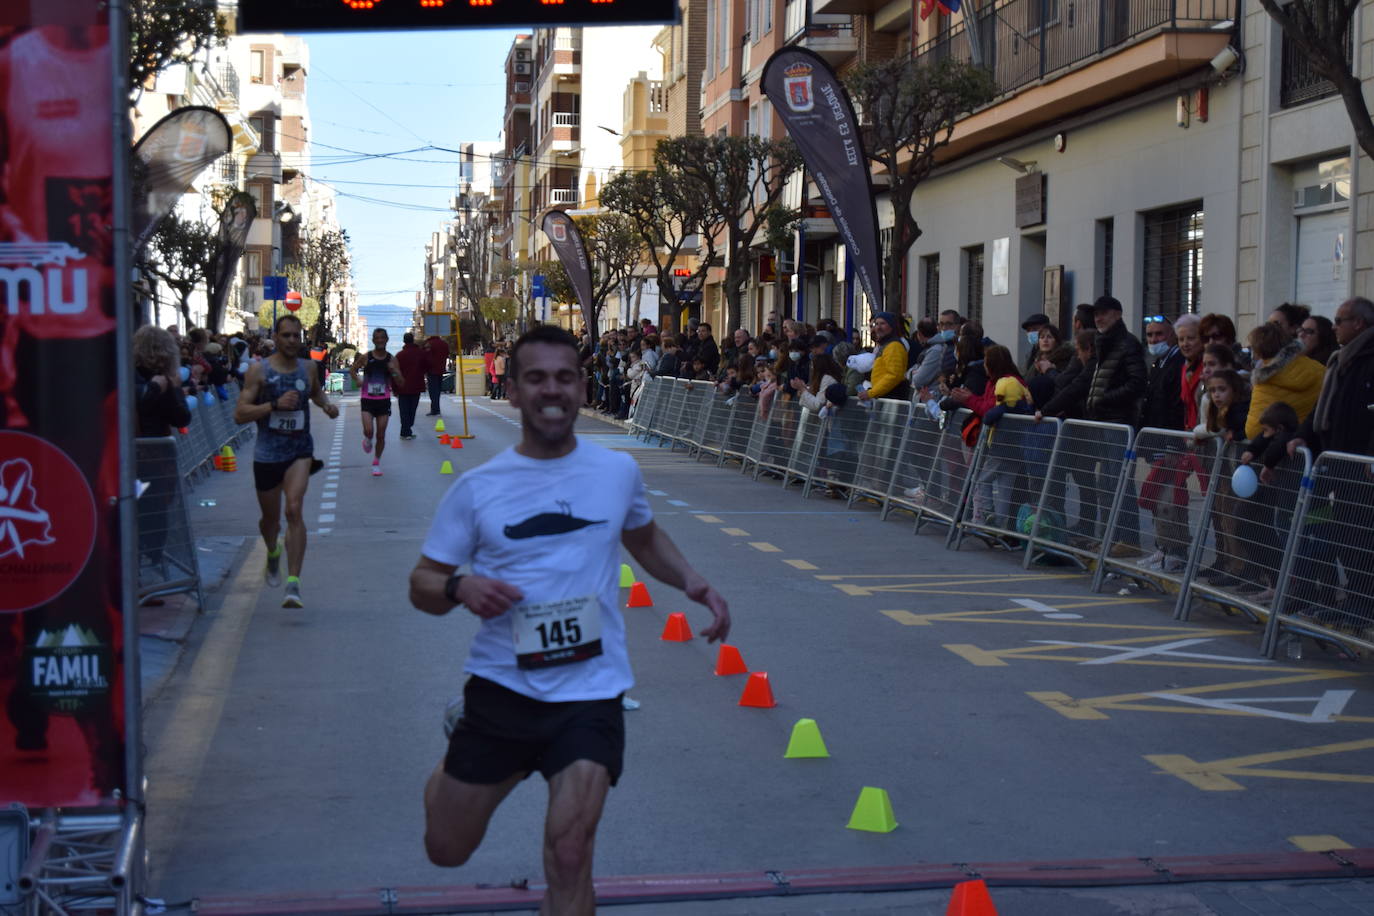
(1244, 483)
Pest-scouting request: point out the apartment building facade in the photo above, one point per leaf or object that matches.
(1119, 158)
(259, 84)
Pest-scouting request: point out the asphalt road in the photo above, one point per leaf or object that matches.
(1010, 715)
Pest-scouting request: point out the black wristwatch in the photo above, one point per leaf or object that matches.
(451, 587)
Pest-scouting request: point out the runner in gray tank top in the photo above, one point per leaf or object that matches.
(275, 396)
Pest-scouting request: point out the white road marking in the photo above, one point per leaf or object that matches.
(1325, 708)
(657, 493)
(326, 518)
(329, 505)
(678, 502)
(1164, 649)
(1052, 613)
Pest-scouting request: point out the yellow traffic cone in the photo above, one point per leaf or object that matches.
(806, 741)
(873, 812)
(439, 425)
(627, 575)
(446, 467)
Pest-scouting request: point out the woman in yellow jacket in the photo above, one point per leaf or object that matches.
(1281, 373)
(890, 360)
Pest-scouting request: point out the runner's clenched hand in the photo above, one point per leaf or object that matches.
(486, 597)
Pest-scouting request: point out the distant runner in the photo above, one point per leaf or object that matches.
(274, 396)
(541, 525)
(376, 371)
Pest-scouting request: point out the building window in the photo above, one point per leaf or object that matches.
(1172, 272)
(1299, 81)
(252, 266)
(710, 33)
(262, 198)
(1106, 245)
(973, 283)
(930, 272)
(257, 66)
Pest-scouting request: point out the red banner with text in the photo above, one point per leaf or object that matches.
(62, 733)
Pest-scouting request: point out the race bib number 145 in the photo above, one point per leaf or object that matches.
(556, 632)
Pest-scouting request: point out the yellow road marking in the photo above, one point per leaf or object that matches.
(800, 564)
(765, 547)
(1214, 776)
(906, 618)
(1321, 842)
(708, 518)
(175, 763)
(977, 656)
(736, 532)
(1067, 705)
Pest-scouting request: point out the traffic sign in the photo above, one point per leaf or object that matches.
(537, 286)
(274, 288)
(293, 301)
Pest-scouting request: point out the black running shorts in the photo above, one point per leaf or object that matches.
(502, 733)
(268, 475)
(378, 407)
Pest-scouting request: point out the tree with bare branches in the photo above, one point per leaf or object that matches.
(908, 110)
(670, 220)
(738, 180)
(319, 264)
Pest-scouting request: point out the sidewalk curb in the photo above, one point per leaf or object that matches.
(164, 631)
(592, 413)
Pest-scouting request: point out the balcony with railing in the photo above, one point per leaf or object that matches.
(562, 196)
(1052, 58)
(227, 170)
(228, 79)
(566, 119)
(831, 35)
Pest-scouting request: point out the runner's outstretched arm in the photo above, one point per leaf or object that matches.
(656, 552)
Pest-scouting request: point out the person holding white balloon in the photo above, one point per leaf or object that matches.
(1278, 425)
(1225, 405)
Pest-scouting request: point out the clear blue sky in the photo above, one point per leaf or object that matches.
(387, 92)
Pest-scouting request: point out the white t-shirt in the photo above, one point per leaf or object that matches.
(550, 527)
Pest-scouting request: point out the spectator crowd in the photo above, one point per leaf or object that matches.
(1296, 379)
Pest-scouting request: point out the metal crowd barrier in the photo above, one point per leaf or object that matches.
(1008, 454)
(1158, 507)
(738, 428)
(1084, 473)
(882, 442)
(167, 562)
(212, 427)
(1298, 556)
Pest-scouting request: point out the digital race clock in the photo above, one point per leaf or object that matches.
(364, 15)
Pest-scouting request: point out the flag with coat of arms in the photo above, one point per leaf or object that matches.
(948, 7)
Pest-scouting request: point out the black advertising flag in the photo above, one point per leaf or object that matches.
(234, 223)
(816, 110)
(572, 254)
(167, 160)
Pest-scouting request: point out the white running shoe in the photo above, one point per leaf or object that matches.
(376, 469)
(293, 594)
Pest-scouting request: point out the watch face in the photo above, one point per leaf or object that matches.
(1059, 142)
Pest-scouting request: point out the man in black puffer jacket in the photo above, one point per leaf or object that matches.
(1110, 389)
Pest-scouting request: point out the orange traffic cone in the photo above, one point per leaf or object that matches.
(455, 442)
(639, 596)
(218, 461)
(729, 661)
(230, 464)
(757, 692)
(676, 629)
(444, 438)
(971, 898)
